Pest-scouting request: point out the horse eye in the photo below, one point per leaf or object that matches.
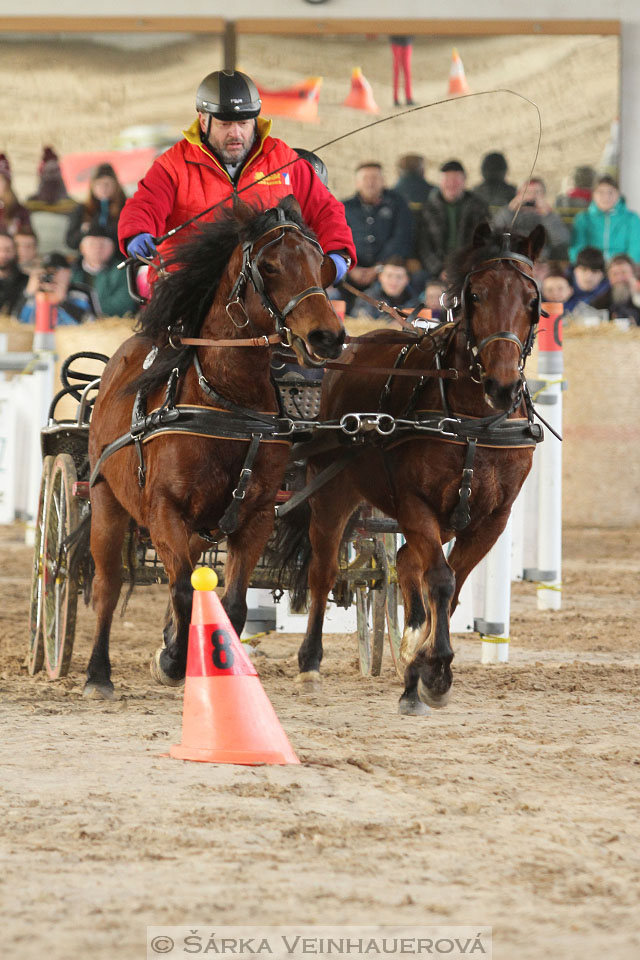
(269, 268)
(474, 298)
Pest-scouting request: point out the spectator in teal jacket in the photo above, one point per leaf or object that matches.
(606, 224)
(97, 270)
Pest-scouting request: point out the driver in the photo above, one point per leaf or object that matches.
(227, 148)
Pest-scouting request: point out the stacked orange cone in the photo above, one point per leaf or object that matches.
(361, 95)
(457, 79)
(227, 717)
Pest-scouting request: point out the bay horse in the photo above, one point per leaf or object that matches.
(452, 480)
(261, 273)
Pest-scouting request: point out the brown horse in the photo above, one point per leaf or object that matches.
(431, 479)
(257, 274)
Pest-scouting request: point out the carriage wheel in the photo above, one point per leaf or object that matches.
(60, 587)
(393, 596)
(35, 652)
(374, 599)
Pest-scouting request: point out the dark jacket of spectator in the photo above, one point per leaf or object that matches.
(434, 241)
(494, 189)
(407, 298)
(379, 230)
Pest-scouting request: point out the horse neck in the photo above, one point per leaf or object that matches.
(241, 374)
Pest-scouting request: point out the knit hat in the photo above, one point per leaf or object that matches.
(49, 166)
(54, 261)
(5, 167)
(95, 230)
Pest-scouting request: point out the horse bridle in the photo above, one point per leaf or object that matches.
(250, 271)
(475, 348)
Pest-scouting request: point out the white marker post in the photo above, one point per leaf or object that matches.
(494, 626)
(549, 398)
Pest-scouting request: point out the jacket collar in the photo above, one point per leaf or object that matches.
(192, 136)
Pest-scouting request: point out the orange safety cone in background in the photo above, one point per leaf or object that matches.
(457, 79)
(361, 95)
(299, 102)
(227, 717)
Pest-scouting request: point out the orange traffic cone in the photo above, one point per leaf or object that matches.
(361, 95)
(457, 79)
(227, 717)
(300, 101)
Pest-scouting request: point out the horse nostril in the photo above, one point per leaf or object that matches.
(326, 342)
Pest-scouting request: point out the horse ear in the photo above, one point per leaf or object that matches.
(481, 235)
(290, 205)
(536, 241)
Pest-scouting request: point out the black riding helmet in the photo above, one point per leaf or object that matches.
(228, 95)
(315, 161)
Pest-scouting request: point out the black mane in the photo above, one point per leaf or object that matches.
(184, 296)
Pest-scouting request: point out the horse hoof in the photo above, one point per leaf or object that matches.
(412, 707)
(431, 699)
(99, 691)
(310, 680)
(159, 674)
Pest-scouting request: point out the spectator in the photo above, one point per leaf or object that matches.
(449, 218)
(533, 208)
(102, 207)
(588, 278)
(51, 195)
(494, 189)
(12, 280)
(392, 286)
(401, 49)
(13, 215)
(607, 224)
(578, 196)
(412, 184)
(556, 288)
(380, 222)
(53, 277)
(97, 271)
(27, 249)
(622, 299)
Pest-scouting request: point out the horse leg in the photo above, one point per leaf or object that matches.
(471, 547)
(329, 515)
(109, 521)
(244, 548)
(425, 644)
(171, 539)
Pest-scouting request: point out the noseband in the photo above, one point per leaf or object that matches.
(250, 272)
(475, 348)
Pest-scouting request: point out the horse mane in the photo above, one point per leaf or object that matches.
(485, 245)
(184, 295)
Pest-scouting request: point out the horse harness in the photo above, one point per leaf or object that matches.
(228, 420)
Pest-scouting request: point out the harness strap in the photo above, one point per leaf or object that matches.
(318, 481)
(246, 412)
(229, 520)
(380, 305)
(461, 516)
(264, 341)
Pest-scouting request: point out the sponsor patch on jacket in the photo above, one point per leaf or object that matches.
(270, 179)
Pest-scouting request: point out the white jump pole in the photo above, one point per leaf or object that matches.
(494, 626)
(549, 398)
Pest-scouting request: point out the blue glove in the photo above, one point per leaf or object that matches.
(142, 245)
(341, 266)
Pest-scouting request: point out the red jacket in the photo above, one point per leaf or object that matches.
(188, 178)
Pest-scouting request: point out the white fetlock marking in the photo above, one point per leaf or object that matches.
(411, 640)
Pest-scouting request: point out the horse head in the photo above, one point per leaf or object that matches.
(281, 284)
(500, 308)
